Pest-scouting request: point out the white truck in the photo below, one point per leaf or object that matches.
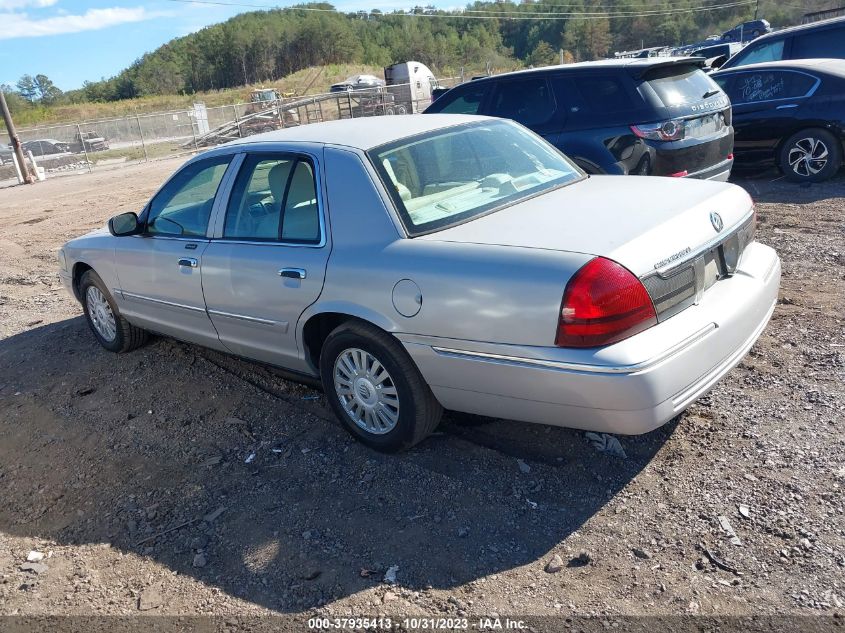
(411, 84)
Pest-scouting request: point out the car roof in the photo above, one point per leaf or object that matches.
(800, 27)
(640, 64)
(363, 133)
(829, 66)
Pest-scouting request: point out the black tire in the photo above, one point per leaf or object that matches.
(810, 142)
(127, 337)
(419, 412)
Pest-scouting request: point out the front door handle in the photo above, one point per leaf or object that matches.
(292, 273)
(188, 262)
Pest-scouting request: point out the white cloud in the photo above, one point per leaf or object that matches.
(17, 25)
(11, 5)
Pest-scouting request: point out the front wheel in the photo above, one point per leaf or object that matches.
(375, 389)
(810, 155)
(110, 329)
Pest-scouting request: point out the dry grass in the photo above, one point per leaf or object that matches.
(314, 80)
(307, 81)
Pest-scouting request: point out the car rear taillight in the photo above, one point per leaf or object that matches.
(603, 303)
(671, 130)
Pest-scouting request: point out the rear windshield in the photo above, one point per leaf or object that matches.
(681, 85)
(452, 175)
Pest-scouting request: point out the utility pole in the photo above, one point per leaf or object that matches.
(16, 143)
(756, 9)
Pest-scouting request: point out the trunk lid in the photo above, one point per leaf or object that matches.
(683, 90)
(647, 224)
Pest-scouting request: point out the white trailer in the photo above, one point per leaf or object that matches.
(411, 84)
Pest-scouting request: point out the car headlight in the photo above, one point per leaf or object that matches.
(62, 259)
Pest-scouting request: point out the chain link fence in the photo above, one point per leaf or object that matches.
(86, 146)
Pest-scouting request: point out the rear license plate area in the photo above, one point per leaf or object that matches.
(704, 125)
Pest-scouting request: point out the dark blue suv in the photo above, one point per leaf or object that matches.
(652, 116)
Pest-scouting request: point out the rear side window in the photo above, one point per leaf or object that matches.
(526, 101)
(828, 43)
(755, 87)
(603, 94)
(274, 198)
(681, 85)
(463, 101)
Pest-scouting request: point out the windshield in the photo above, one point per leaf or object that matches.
(449, 176)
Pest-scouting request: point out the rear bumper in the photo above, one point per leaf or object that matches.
(631, 387)
(720, 171)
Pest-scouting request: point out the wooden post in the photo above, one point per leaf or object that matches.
(141, 132)
(16, 142)
(84, 149)
(237, 120)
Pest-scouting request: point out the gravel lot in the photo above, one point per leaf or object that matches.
(130, 474)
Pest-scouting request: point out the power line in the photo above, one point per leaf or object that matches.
(623, 13)
(575, 15)
(588, 7)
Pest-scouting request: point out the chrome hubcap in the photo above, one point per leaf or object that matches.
(366, 391)
(808, 157)
(100, 313)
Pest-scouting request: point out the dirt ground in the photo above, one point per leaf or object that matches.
(130, 474)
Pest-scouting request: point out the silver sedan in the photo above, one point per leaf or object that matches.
(420, 263)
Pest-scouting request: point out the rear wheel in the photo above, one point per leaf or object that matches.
(810, 155)
(112, 331)
(375, 389)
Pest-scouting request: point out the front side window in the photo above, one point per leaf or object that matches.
(183, 207)
(764, 52)
(467, 100)
(452, 175)
(527, 101)
(274, 198)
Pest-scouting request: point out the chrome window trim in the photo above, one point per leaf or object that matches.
(224, 196)
(579, 367)
(808, 94)
(198, 240)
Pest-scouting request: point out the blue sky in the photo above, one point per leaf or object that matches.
(74, 40)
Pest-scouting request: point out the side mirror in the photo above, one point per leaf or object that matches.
(125, 224)
(718, 62)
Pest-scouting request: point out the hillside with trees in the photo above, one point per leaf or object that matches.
(262, 46)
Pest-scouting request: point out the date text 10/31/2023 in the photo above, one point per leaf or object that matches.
(416, 624)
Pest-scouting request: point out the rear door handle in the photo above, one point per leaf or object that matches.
(292, 273)
(188, 262)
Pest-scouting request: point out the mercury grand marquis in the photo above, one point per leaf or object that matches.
(418, 263)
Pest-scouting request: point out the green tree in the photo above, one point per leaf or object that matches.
(47, 92)
(543, 55)
(27, 88)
